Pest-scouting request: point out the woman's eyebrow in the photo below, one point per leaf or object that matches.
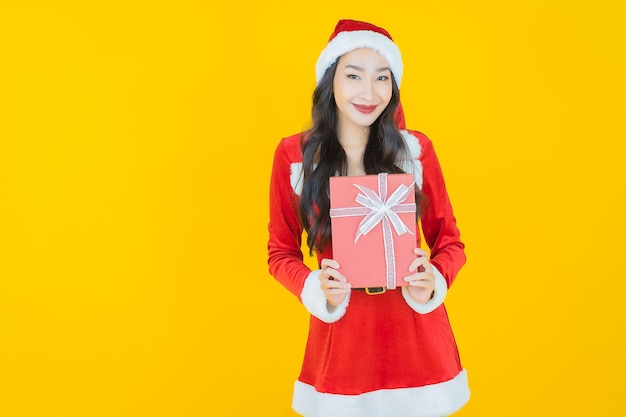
(357, 68)
(354, 67)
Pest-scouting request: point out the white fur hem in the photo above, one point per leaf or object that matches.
(441, 289)
(435, 400)
(315, 302)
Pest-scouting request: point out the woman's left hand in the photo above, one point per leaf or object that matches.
(422, 283)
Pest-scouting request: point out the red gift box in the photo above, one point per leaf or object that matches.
(373, 220)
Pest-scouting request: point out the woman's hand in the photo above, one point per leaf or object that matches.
(334, 285)
(422, 283)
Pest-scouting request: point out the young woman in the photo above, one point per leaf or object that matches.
(391, 354)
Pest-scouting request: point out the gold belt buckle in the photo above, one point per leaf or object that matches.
(375, 290)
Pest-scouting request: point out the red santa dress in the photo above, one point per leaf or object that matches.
(375, 355)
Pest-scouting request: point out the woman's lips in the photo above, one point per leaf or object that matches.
(364, 109)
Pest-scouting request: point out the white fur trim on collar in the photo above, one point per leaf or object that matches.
(345, 42)
(411, 166)
(296, 177)
(414, 165)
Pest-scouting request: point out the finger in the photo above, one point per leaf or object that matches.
(333, 283)
(422, 283)
(335, 275)
(421, 252)
(420, 276)
(326, 263)
(330, 282)
(417, 262)
(336, 291)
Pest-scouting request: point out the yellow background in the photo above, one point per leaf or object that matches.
(136, 140)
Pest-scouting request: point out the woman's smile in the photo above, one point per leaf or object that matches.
(364, 108)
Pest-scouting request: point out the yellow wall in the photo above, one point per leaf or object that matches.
(135, 148)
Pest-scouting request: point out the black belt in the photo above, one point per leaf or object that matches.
(373, 290)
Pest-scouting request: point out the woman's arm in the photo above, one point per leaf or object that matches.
(285, 259)
(447, 252)
(326, 300)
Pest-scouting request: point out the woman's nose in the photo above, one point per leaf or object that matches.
(367, 92)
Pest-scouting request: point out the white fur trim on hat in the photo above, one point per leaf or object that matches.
(345, 42)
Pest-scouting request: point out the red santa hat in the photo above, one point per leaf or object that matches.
(353, 34)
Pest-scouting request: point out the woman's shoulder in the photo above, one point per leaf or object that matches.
(290, 147)
(418, 135)
(417, 142)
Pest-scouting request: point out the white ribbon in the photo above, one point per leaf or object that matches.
(379, 208)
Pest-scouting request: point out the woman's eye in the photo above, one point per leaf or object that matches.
(383, 78)
(353, 76)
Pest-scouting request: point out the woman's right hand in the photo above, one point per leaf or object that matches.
(334, 285)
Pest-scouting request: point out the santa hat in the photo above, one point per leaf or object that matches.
(352, 34)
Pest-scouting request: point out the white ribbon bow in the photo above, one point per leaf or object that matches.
(383, 209)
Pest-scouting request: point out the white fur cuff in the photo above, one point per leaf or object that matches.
(441, 289)
(315, 302)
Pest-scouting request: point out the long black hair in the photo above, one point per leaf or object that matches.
(323, 157)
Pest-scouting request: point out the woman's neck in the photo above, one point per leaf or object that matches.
(351, 135)
(353, 141)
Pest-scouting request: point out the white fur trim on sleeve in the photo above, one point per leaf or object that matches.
(441, 289)
(315, 302)
(414, 165)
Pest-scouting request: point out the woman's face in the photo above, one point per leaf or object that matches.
(362, 87)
